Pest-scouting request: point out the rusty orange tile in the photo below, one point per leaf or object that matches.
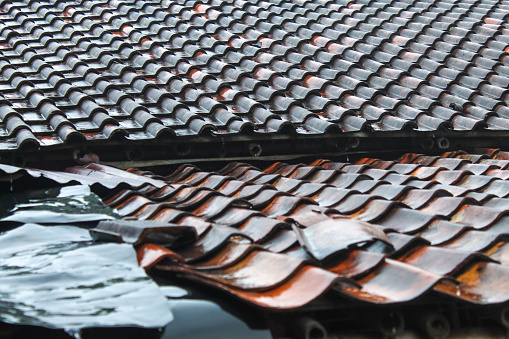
(417, 198)
(324, 176)
(182, 193)
(500, 164)
(501, 155)
(353, 203)
(472, 241)
(499, 252)
(195, 199)
(381, 164)
(257, 271)
(159, 212)
(478, 169)
(451, 177)
(182, 172)
(441, 261)
(403, 243)
(393, 282)
(450, 163)
(231, 187)
(377, 174)
(132, 205)
(307, 215)
(285, 204)
(446, 206)
(302, 173)
(151, 254)
(280, 241)
(356, 263)
(259, 228)
(306, 286)
(424, 160)
(403, 168)
(441, 231)
(164, 192)
(375, 210)
(408, 158)
(215, 181)
(195, 179)
(497, 173)
(482, 283)
(334, 166)
(477, 216)
(426, 173)
(216, 237)
(332, 195)
(234, 216)
(230, 254)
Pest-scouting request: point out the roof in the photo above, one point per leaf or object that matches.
(415, 230)
(78, 76)
(359, 236)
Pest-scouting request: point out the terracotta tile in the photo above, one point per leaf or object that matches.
(140, 232)
(440, 260)
(394, 282)
(482, 283)
(328, 237)
(304, 287)
(356, 263)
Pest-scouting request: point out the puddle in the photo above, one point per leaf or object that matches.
(56, 277)
(72, 204)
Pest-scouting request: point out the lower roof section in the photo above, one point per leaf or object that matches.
(417, 230)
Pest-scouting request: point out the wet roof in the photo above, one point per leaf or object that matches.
(389, 232)
(149, 83)
(98, 73)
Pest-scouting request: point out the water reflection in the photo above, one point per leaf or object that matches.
(73, 204)
(55, 277)
(204, 319)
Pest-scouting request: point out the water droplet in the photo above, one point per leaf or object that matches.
(74, 333)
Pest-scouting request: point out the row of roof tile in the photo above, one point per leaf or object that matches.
(97, 70)
(378, 231)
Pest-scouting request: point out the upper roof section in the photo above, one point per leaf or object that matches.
(84, 75)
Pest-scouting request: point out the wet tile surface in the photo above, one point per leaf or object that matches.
(56, 277)
(282, 236)
(100, 71)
